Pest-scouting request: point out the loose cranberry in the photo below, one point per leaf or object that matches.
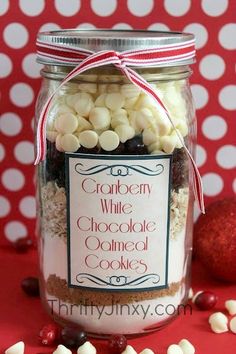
(205, 300)
(73, 336)
(117, 343)
(49, 334)
(30, 286)
(135, 146)
(22, 244)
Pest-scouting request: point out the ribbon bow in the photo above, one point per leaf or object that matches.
(85, 59)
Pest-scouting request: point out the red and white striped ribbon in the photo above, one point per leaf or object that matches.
(83, 60)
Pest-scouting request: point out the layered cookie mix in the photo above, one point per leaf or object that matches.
(113, 119)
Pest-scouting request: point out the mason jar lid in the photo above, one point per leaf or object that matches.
(117, 40)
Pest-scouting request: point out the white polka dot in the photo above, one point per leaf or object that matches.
(123, 26)
(28, 207)
(177, 8)
(24, 152)
(30, 67)
(158, 27)
(2, 152)
(15, 230)
(227, 36)
(32, 8)
(200, 33)
(226, 157)
(234, 185)
(214, 8)
(10, 124)
(5, 206)
(15, 35)
(227, 97)
(212, 184)
(21, 94)
(200, 95)
(86, 25)
(201, 155)
(212, 67)
(4, 6)
(5, 65)
(13, 179)
(104, 7)
(67, 8)
(214, 127)
(49, 27)
(139, 7)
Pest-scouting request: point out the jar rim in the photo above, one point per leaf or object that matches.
(119, 40)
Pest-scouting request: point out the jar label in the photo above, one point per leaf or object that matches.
(118, 221)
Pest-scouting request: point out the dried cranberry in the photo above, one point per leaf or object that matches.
(49, 334)
(22, 244)
(73, 336)
(30, 286)
(117, 343)
(205, 300)
(135, 146)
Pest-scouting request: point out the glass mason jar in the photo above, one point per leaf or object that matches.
(115, 201)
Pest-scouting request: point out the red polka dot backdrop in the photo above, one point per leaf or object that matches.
(213, 85)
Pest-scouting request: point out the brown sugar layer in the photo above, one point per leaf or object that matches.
(57, 287)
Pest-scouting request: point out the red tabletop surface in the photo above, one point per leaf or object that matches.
(21, 317)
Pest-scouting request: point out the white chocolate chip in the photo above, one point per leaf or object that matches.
(51, 136)
(100, 118)
(130, 102)
(144, 101)
(232, 325)
(58, 142)
(61, 349)
(182, 127)
(88, 87)
(114, 101)
(196, 295)
(231, 306)
(88, 139)
(190, 294)
(146, 351)
(83, 124)
(149, 136)
(87, 348)
(156, 146)
(125, 132)
(218, 322)
(83, 104)
(63, 108)
(17, 348)
(129, 350)
(186, 347)
(177, 135)
(144, 118)
(120, 117)
(133, 123)
(109, 140)
(69, 143)
(100, 100)
(168, 143)
(66, 123)
(130, 91)
(174, 349)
